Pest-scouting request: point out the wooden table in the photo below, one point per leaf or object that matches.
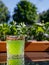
(33, 51)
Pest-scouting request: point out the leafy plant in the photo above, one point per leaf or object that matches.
(37, 31)
(44, 16)
(25, 12)
(4, 29)
(4, 13)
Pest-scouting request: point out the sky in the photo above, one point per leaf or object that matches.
(42, 5)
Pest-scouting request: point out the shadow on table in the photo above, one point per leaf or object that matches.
(28, 61)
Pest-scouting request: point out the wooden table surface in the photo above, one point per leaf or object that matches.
(30, 52)
(33, 56)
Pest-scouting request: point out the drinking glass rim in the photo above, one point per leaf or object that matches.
(13, 37)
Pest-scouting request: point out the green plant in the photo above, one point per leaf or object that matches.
(44, 16)
(4, 29)
(25, 12)
(37, 32)
(46, 27)
(11, 29)
(4, 13)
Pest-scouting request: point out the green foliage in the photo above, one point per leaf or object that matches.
(25, 15)
(37, 31)
(13, 29)
(25, 12)
(4, 13)
(21, 29)
(4, 29)
(44, 16)
(46, 27)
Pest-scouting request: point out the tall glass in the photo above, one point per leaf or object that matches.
(15, 50)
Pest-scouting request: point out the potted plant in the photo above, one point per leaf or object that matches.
(13, 38)
(38, 36)
(3, 31)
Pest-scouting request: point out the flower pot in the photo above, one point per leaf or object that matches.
(3, 56)
(37, 51)
(2, 47)
(37, 46)
(15, 50)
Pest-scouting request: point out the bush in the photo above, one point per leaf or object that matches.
(37, 31)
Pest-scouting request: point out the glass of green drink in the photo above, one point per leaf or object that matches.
(15, 50)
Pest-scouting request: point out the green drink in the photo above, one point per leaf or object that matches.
(15, 52)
